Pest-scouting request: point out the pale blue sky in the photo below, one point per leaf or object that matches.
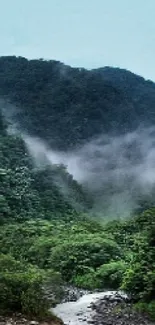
(88, 33)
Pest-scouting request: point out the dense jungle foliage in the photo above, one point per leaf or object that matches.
(45, 242)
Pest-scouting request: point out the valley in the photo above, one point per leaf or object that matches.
(77, 187)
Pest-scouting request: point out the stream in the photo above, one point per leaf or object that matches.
(79, 312)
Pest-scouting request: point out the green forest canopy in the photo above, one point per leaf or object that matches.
(43, 239)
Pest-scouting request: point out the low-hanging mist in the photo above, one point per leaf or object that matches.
(118, 171)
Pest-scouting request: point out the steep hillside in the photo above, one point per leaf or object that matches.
(68, 106)
(29, 196)
(46, 240)
(28, 191)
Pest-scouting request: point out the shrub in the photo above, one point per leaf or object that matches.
(106, 276)
(74, 257)
(21, 287)
(87, 280)
(110, 275)
(148, 308)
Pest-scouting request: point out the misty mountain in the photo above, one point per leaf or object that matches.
(34, 189)
(76, 146)
(69, 106)
(97, 123)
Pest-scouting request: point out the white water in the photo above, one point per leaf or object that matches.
(79, 312)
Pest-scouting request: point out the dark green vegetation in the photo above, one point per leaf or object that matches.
(67, 106)
(44, 240)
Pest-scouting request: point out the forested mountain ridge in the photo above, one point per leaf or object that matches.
(30, 192)
(44, 238)
(68, 106)
(31, 202)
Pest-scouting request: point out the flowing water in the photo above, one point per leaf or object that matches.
(79, 312)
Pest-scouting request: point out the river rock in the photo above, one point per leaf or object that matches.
(73, 294)
(102, 308)
(117, 312)
(18, 319)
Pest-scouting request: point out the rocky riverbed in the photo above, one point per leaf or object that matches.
(116, 310)
(104, 308)
(81, 308)
(18, 319)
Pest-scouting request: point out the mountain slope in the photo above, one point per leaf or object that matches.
(68, 106)
(43, 237)
(28, 191)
